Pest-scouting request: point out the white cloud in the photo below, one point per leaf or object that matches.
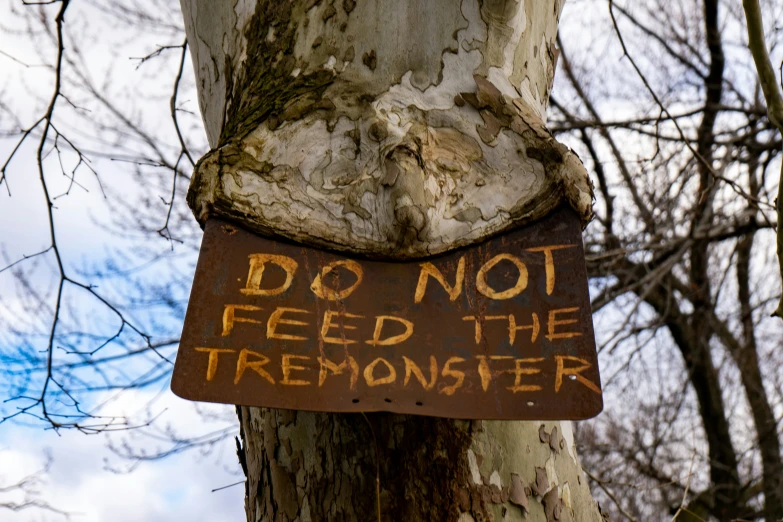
(175, 488)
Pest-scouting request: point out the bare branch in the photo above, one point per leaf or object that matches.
(771, 89)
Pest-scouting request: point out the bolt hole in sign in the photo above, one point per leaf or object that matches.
(499, 330)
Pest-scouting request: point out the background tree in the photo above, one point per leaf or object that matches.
(680, 213)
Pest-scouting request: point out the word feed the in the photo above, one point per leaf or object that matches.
(500, 330)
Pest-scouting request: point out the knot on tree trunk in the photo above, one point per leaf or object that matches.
(393, 180)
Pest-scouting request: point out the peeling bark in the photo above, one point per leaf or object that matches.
(314, 466)
(388, 129)
(395, 130)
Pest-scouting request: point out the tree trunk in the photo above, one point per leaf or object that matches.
(315, 466)
(389, 129)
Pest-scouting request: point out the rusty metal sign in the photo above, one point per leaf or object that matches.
(501, 330)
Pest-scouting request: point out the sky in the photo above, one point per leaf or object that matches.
(83, 478)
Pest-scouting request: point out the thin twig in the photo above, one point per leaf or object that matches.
(686, 141)
(229, 486)
(25, 258)
(611, 496)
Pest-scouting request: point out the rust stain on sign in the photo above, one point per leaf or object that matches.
(501, 330)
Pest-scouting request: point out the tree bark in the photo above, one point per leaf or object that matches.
(389, 129)
(398, 130)
(747, 358)
(724, 472)
(315, 466)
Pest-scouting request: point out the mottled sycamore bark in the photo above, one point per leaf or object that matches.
(315, 466)
(391, 129)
